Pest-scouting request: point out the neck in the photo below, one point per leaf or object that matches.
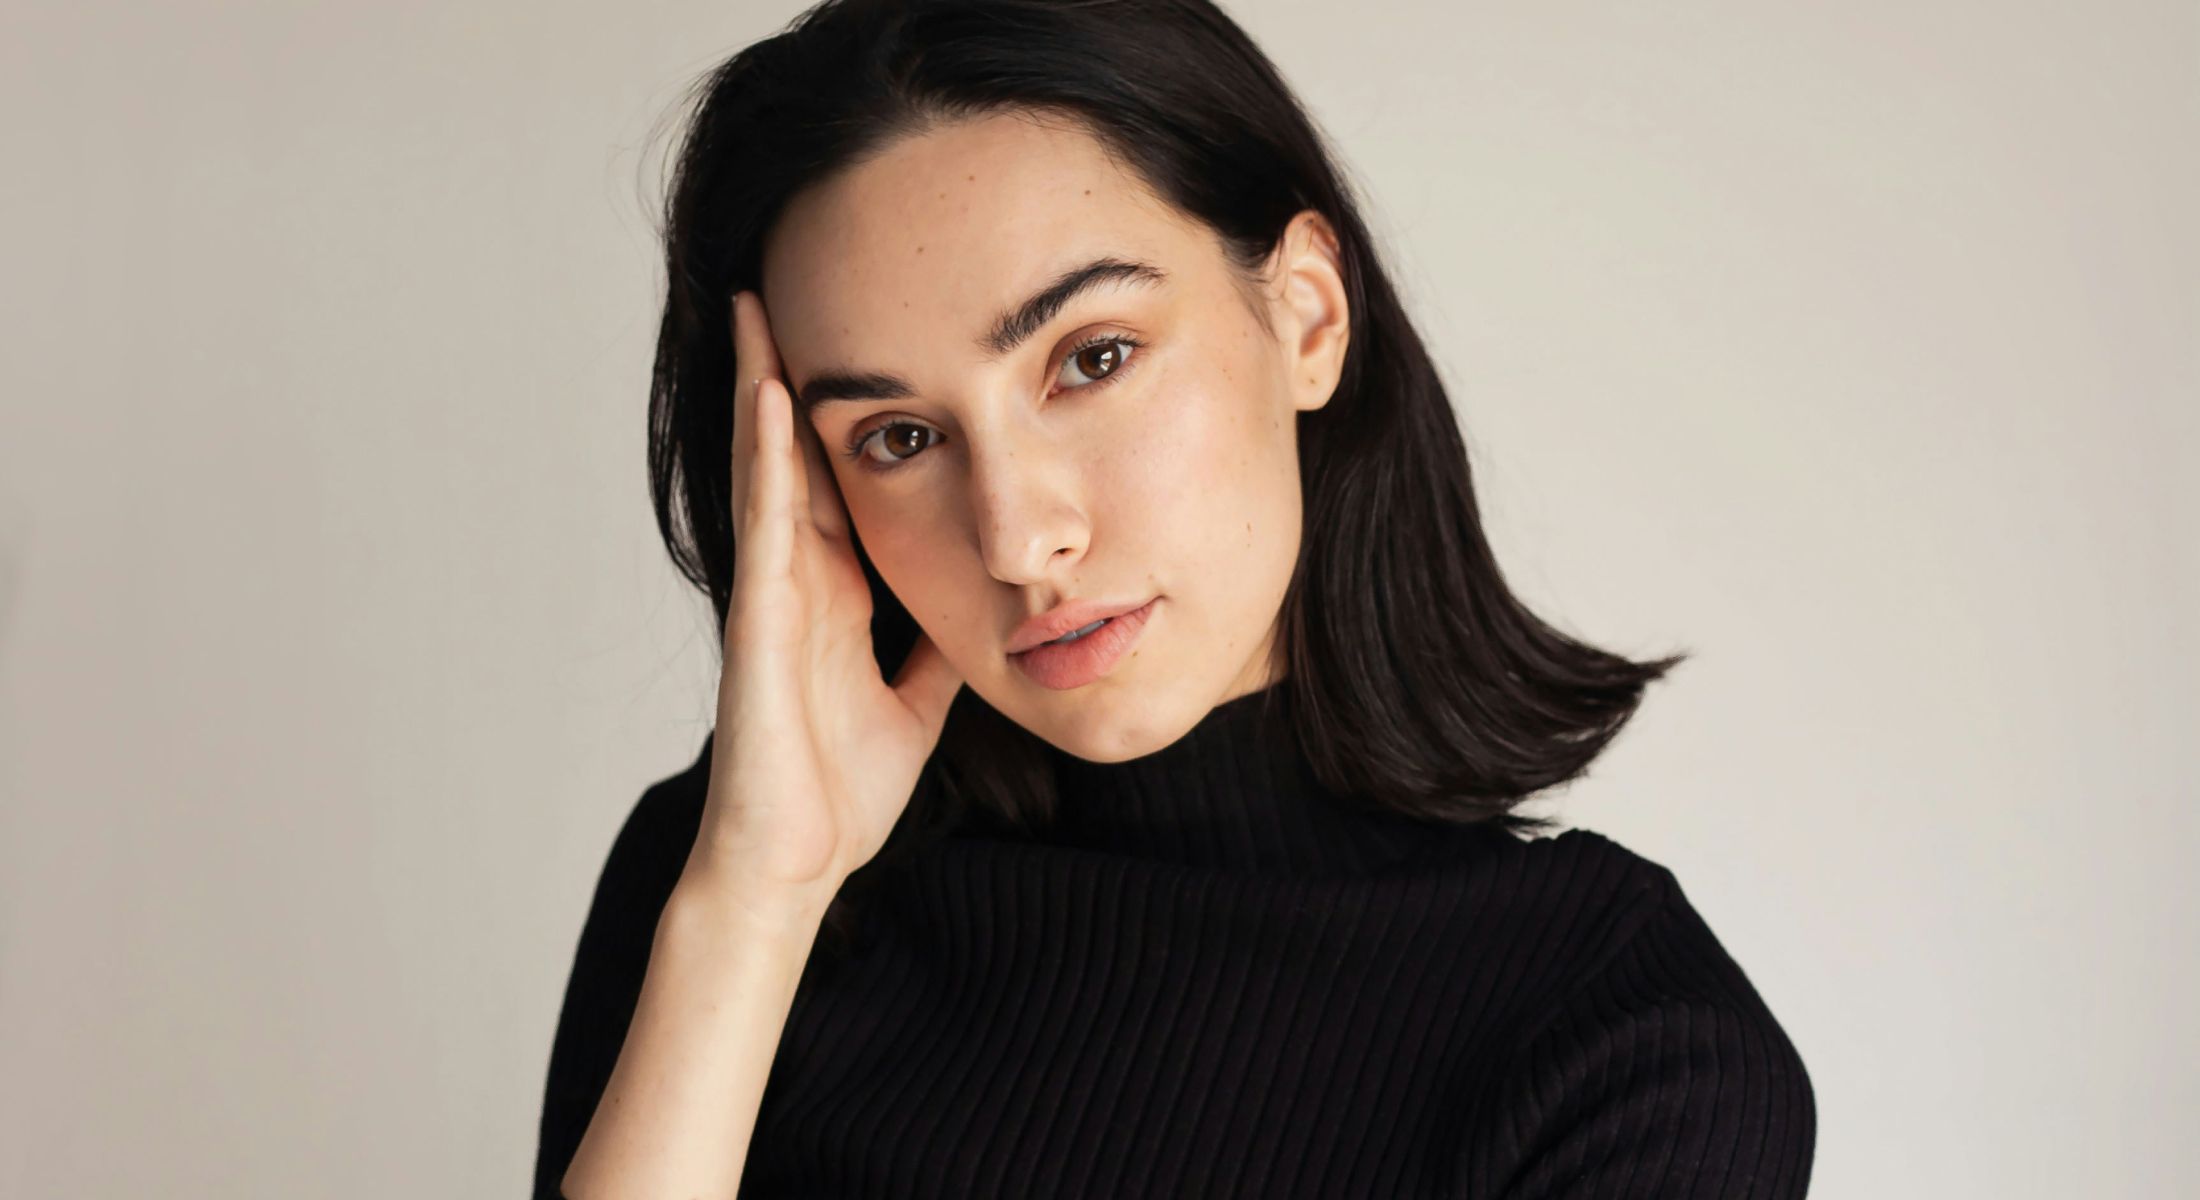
(1236, 792)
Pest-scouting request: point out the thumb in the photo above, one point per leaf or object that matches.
(927, 683)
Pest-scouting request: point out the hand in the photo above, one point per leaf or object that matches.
(815, 756)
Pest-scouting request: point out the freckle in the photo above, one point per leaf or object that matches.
(973, 179)
(920, 250)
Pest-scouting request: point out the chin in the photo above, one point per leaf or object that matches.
(1106, 724)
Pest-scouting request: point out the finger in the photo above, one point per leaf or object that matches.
(743, 449)
(815, 490)
(827, 510)
(787, 445)
(767, 532)
(756, 358)
(927, 683)
(763, 351)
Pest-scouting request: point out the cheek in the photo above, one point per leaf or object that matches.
(893, 540)
(1209, 462)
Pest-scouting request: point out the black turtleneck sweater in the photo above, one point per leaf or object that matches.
(1214, 978)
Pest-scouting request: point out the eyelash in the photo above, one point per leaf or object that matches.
(855, 446)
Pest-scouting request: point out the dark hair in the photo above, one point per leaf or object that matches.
(1418, 680)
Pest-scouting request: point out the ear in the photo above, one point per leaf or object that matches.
(1313, 320)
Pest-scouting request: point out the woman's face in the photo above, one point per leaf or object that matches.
(1031, 464)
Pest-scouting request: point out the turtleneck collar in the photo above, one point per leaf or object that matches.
(1236, 792)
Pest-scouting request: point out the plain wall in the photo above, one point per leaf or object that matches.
(1852, 347)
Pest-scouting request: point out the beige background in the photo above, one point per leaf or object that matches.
(1853, 346)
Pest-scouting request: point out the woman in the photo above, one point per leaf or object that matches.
(1178, 857)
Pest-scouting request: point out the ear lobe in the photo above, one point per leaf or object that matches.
(1314, 294)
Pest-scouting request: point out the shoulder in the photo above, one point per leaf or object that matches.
(660, 828)
(648, 852)
(1656, 942)
(1555, 911)
(640, 870)
(1650, 1065)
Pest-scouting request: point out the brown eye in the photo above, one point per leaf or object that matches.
(1098, 359)
(900, 440)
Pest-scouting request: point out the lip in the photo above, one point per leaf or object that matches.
(1076, 614)
(1078, 663)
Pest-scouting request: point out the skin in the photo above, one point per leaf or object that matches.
(1030, 479)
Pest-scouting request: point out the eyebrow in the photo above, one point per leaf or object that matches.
(1009, 330)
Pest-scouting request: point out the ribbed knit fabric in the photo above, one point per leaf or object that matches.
(1215, 978)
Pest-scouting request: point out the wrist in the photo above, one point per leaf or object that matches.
(718, 895)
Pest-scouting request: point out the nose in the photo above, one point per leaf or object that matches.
(1030, 523)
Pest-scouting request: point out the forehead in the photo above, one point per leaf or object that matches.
(909, 253)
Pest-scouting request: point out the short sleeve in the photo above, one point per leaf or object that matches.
(1663, 1076)
(612, 955)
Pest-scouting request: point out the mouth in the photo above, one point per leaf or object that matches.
(1086, 653)
(1069, 622)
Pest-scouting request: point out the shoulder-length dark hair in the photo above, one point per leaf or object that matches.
(1418, 681)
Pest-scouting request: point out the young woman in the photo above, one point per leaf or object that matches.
(1122, 713)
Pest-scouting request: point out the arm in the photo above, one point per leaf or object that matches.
(605, 978)
(681, 1103)
(650, 926)
(1664, 1076)
(811, 762)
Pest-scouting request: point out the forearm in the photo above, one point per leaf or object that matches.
(676, 1116)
